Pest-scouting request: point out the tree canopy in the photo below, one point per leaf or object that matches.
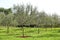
(27, 15)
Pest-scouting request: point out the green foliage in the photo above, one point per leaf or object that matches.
(5, 11)
(27, 15)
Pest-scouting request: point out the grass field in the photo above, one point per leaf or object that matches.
(45, 34)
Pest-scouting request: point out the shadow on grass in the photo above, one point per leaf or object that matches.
(0, 38)
(31, 31)
(47, 35)
(2, 31)
(39, 36)
(17, 29)
(56, 31)
(10, 35)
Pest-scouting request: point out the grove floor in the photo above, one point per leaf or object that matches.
(44, 33)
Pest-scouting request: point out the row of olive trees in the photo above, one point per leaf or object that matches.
(27, 15)
(21, 14)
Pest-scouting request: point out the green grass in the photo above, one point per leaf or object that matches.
(45, 34)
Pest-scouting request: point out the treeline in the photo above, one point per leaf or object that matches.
(27, 16)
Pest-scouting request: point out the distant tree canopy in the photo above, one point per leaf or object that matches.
(6, 11)
(27, 15)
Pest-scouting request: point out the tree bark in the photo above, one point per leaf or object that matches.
(7, 29)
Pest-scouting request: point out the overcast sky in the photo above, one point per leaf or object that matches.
(49, 6)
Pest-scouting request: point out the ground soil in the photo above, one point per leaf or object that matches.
(24, 36)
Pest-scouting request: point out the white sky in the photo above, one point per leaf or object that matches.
(49, 6)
